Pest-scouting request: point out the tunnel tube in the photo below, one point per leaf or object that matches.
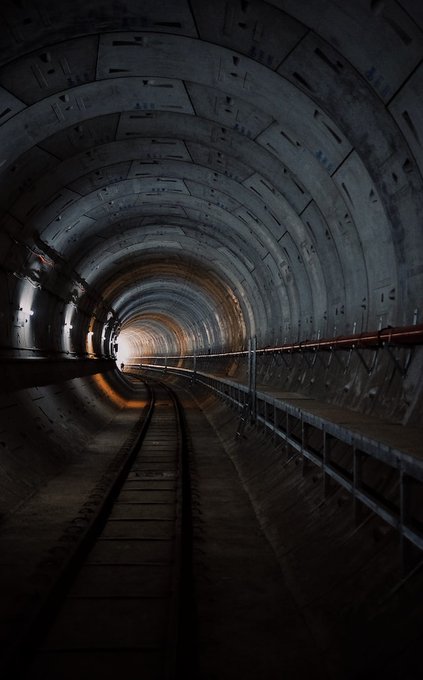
(179, 177)
(182, 179)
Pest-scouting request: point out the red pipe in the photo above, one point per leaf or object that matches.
(402, 335)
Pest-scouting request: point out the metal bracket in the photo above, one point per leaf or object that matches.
(403, 369)
(368, 368)
(282, 356)
(306, 359)
(333, 354)
(243, 419)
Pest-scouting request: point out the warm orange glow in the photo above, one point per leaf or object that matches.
(176, 274)
(89, 343)
(143, 340)
(116, 398)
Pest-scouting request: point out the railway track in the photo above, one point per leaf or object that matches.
(123, 605)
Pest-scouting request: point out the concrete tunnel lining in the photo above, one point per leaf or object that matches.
(303, 207)
(157, 52)
(180, 177)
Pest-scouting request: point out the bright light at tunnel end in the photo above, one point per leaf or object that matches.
(125, 349)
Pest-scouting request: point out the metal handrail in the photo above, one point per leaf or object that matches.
(407, 465)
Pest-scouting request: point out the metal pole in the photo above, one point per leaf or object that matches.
(357, 475)
(404, 515)
(255, 377)
(249, 367)
(194, 367)
(304, 444)
(326, 461)
(252, 377)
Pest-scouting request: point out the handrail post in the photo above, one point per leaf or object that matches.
(194, 371)
(252, 377)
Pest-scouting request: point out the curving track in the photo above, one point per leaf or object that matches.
(118, 606)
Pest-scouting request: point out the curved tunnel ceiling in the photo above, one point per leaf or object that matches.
(187, 174)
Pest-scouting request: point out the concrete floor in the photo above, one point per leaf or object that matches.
(344, 577)
(286, 585)
(249, 625)
(38, 537)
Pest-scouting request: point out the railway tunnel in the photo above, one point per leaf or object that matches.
(226, 197)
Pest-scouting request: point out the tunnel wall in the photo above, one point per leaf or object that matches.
(46, 428)
(384, 382)
(18, 373)
(260, 140)
(256, 171)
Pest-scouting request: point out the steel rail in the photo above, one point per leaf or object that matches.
(22, 649)
(177, 633)
(182, 662)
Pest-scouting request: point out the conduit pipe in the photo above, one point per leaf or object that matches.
(400, 335)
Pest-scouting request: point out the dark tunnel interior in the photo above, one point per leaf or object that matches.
(179, 177)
